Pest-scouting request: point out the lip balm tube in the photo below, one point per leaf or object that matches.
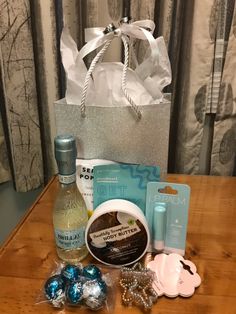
(159, 225)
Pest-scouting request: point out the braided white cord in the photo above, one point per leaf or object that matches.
(123, 82)
(88, 75)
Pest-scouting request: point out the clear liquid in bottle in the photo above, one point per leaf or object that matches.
(70, 214)
(70, 219)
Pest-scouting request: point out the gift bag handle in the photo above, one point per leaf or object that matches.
(88, 75)
(124, 73)
(123, 81)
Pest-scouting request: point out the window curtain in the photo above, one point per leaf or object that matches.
(201, 41)
(4, 164)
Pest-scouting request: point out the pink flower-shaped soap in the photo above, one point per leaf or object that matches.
(174, 275)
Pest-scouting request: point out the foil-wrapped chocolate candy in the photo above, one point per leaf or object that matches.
(54, 289)
(92, 272)
(70, 273)
(94, 293)
(74, 292)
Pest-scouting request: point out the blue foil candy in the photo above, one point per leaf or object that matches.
(54, 290)
(77, 287)
(91, 272)
(74, 292)
(70, 273)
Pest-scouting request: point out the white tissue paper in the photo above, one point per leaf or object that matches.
(144, 84)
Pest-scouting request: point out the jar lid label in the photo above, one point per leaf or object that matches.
(117, 238)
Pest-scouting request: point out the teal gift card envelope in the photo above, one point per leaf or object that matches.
(123, 181)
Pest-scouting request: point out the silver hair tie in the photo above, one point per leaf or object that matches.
(137, 286)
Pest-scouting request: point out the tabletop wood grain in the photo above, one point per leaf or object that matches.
(28, 256)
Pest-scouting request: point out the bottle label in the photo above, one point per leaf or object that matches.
(71, 239)
(67, 179)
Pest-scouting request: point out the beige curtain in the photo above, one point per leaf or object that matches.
(200, 36)
(32, 78)
(19, 94)
(4, 164)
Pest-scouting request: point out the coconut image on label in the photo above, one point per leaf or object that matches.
(117, 233)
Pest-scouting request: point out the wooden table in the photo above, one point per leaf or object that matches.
(28, 256)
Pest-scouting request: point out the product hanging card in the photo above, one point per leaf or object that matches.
(123, 181)
(167, 207)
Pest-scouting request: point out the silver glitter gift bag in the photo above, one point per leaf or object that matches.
(114, 133)
(115, 112)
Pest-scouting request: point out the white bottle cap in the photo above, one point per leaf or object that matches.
(159, 245)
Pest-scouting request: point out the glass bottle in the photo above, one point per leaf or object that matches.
(70, 214)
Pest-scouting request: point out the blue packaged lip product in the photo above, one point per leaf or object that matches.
(159, 225)
(170, 224)
(123, 181)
